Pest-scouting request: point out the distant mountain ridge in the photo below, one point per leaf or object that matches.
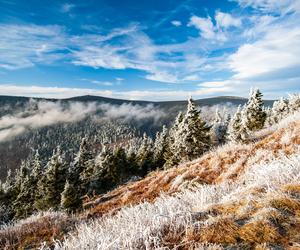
(90, 98)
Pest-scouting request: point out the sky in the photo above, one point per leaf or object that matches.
(149, 50)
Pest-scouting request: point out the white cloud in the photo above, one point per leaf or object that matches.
(102, 83)
(205, 25)
(277, 6)
(162, 76)
(29, 45)
(23, 46)
(128, 111)
(260, 25)
(176, 23)
(277, 51)
(225, 20)
(67, 7)
(100, 57)
(207, 28)
(215, 84)
(193, 77)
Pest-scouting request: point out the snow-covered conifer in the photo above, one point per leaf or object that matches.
(70, 199)
(219, 128)
(171, 158)
(280, 110)
(36, 166)
(51, 185)
(160, 147)
(294, 103)
(28, 189)
(253, 114)
(192, 138)
(235, 126)
(104, 173)
(82, 167)
(145, 155)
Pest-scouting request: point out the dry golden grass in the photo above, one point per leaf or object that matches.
(30, 234)
(255, 224)
(222, 164)
(293, 189)
(273, 219)
(286, 204)
(223, 231)
(259, 232)
(263, 227)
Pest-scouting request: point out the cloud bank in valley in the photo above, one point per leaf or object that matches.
(129, 112)
(47, 113)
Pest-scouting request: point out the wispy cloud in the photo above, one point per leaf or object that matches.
(116, 81)
(226, 20)
(67, 7)
(176, 23)
(206, 27)
(24, 46)
(209, 30)
(128, 112)
(277, 6)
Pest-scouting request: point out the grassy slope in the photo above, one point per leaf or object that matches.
(237, 194)
(251, 199)
(227, 162)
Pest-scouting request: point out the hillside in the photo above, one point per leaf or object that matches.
(223, 164)
(236, 196)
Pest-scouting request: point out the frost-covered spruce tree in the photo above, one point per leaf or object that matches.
(8, 195)
(145, 155)
(219, 129)
(269, 117)
(36, 167)
(172, 158)
(131, 155)
(160, 147)
(20, 176)
(294, 103)
(104, 175)
(70, 199)
(28, 190)
(253, 114)
(51, 185)
(121, 166)
(82, 167)
(23, 202)
(235, 126)
(8, 185)
(279, 111)
(193, 137)
(6, 212)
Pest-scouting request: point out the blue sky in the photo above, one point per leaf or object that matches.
(150, 50)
